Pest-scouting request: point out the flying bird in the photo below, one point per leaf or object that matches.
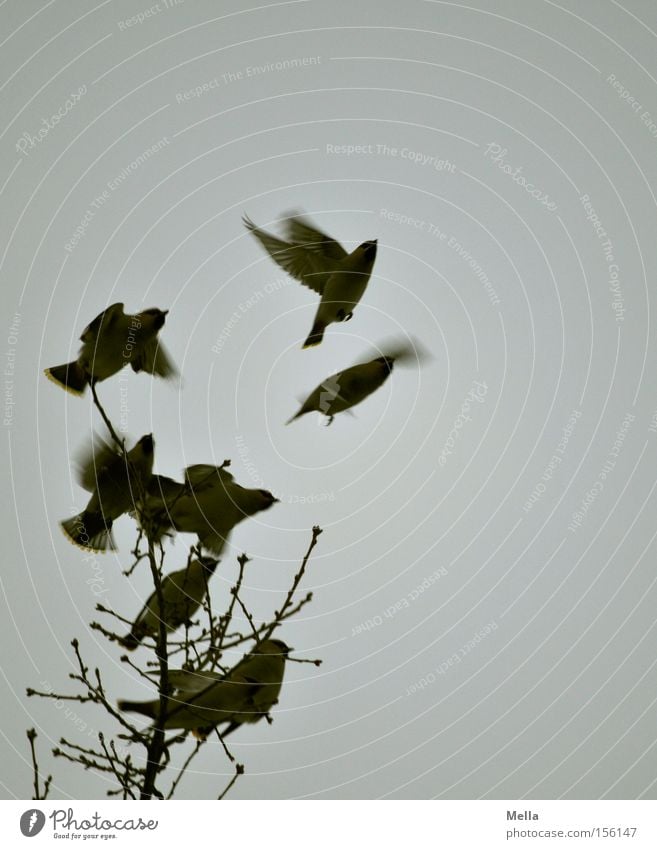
(209, 504)
(323, 265)
(182, 593)
(202, 700)
(114, 340)
(343, 390)
(115, 482)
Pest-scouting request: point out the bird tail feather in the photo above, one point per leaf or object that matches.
(131, 641)
(89, 531)
(295, 416)
(316, 335)
(70, 376)
(148, 709)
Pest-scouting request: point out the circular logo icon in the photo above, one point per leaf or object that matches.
(32, 822)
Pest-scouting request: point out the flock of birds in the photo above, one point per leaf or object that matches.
(209, 502)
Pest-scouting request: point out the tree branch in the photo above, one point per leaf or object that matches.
(31, 736)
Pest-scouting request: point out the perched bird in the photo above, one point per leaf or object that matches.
(115, 483)
(209, 505)
(203, 700)
(182, 592)
(343, 390)
(322, 264)
(114, 340)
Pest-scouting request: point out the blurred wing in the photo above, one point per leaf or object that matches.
(107, 315)
(153, 359)
(214, 539)
(202, 475)
(95, 462)
(164, 488)
(401, 353)
(299, 262)
(301, 232)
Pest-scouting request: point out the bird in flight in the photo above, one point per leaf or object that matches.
(113, 340)
(323, 265)
(117, 484)
(209, 504)
(343, 390)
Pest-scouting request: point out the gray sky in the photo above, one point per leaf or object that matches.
(484, 588)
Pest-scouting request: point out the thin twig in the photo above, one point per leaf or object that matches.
(226, 750)
(239, 770)
(31, 736)
(183, 768)
(112, 636)
(108, 424)
(102, 609)
(315, 661)
(60, 696)
(156, 747)
(280, 615)
(111, 760)
(226, 619)
(125, 659)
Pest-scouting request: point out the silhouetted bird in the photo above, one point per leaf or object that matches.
(345, 389)
(182, 592)
(203, 700)
(116, 483)
(209, 504)
(322, 264)
(114, 340)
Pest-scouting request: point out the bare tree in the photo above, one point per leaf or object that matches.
(138, 759)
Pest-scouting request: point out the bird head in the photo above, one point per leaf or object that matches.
(274, 647)
(209, 564)
(147, 443)
(267, 498)
(369, 250)
(386, 362)
(252, 501)
(155, 317)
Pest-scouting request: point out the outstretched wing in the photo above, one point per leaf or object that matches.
(403, 350)
(202, 475)
(153, 359)
(106, 316)
(306, 266)
(301, 232)
(95, 462)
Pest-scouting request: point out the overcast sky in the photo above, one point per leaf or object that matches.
(484, 590)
